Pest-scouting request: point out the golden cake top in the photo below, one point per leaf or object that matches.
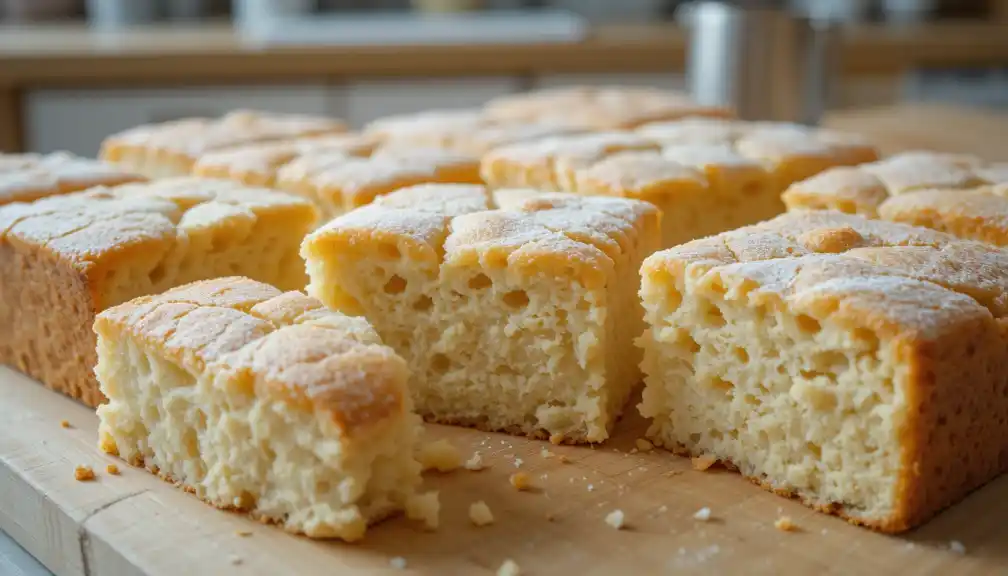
(897, 280)
(281, 346)
(977, 214)
(192, 137)
(562, 235)
(95, 227)
(27, 177)
(601, 108)
(863, 189)
(418, 125)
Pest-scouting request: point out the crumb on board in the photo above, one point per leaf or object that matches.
(545, 453)
(475, 464)
(563, 459)
(644, 445)
(518, 462)
(235, 560)
(509, 568)
(480, 514)
(243, 533)
(672, 473)
(84, 473)
(704, 462)
(64, 423)
(440, 455)
(663, 509)
(616, 519)
(703, 514)
(520, 480)
(957, 547)
(556, 439)
(785, 524)
(112, 469)
(591, 487)
(399, 563)
(424, 507)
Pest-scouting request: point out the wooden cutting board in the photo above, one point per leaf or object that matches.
(137, 524)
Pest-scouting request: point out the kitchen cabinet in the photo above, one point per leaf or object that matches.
(78, 120)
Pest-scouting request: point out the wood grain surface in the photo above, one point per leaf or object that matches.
(136, 524)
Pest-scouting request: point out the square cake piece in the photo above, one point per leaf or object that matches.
(338, 184)
(28, 177)
(863, 189)
(598, 108)
(258, 164)
(262, 402)
(856, 364)
(64, 259)
(706, 175)
(518, 318)
(172, 148)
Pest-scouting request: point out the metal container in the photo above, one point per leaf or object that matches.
(763, 60)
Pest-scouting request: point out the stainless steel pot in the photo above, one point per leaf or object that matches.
(762, 59)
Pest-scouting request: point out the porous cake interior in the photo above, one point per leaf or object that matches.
(224, 435)
(519, 319)
(832, 358)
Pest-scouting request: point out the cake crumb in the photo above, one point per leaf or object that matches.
(957, 547)
(545, 453)
(509, 568)
(112, 469)
(616, 519)
(243, 533)
(704, 462)
(672, 473)
(236, 560)
(591, 487)
(632, 451)
(556, 439)
(399, 563)
(663, 509)
(441, 455)
(703, 514)
(64, 423)
(480, 513)
(785, 524)
(520, 480)
(518, 462)
(84, 473)
(563, 459)
(475, 464)
(644, 445)
(425, 508)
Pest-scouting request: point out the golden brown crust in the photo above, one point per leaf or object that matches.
(939, 300)
(28, 177)
(262, 339)
(180, 143)
(77, 247)
(864, 189)
(979, 214)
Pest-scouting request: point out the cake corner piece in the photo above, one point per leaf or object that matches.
(286, 411)
(854, 364)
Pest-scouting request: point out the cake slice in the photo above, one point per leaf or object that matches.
(258, 164)
(862, 189)
(338, 184)
(518, 318)
(64, 259)
(172, 148)
(281, 409)
(28, 177)
(598, 108)
(978, 214)
(856, 364)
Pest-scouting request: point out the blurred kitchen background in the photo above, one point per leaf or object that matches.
(73, 71)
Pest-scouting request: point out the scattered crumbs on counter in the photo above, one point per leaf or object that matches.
(399, 563)
(84, 473)
(591, 487)
(545, 453)
(563, 459)
(703, 514)
(235, 560)
(785, 524)
(509, 568)
(616, 519)
(480, 514)
(520, 480)
(475, 464)
(112, 469)
(64, 423)
(672, 473)
(243, 533)
(957, 547)
(518, 462)
(702, 463)
(663, 509)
